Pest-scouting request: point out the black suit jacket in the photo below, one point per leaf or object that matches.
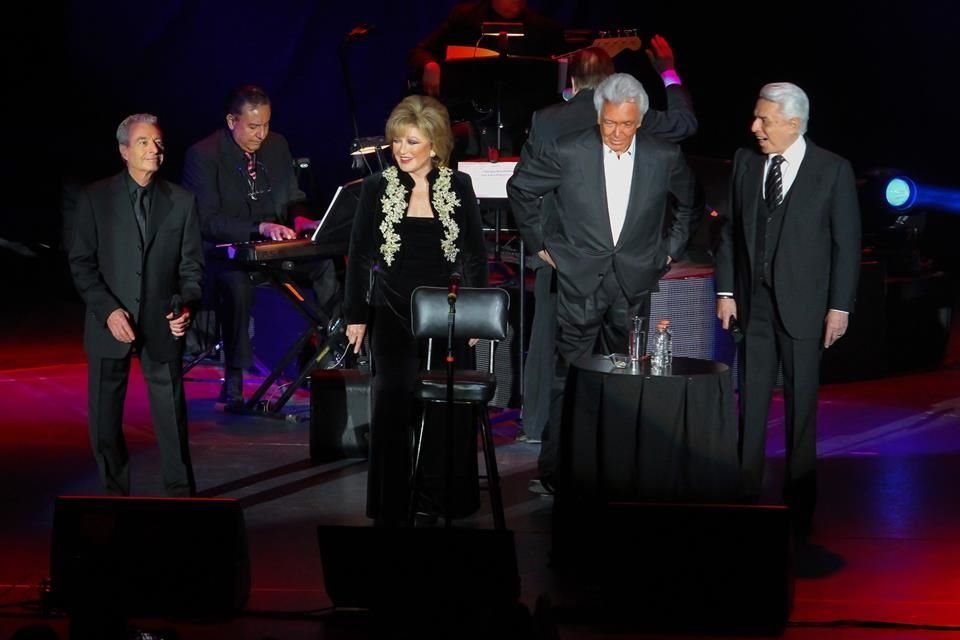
(817, 259)
(215, 170)
(677, 123)
(577, 230)
(114, 269)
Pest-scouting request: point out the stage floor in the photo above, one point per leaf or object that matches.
(885, 554)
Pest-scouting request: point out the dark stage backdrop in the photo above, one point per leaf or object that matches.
(879, 73)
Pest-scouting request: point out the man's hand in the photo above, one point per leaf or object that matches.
(660, 54)
(355, 333)
(119, 324)
(276, 231)
(179, 325)
(431, 79)
(835, 326)
(726, 309)
(545, 256)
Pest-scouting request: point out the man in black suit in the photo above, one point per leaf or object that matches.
(246, 188)
(587, 69)
(137, 262)
(610, 188)
(787, 270)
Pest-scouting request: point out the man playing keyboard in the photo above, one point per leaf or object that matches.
(246, 188)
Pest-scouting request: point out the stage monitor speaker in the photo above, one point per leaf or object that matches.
(426, 572)
(339, 414)
(687, 567)
(149, 556)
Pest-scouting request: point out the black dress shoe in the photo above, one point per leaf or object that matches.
(231, 392)
(523, 437)
(542, 486)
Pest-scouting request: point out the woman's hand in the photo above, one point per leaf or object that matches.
(355, 333)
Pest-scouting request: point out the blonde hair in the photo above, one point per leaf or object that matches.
(430, 117)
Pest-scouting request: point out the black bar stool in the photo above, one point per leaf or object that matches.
(474, 313)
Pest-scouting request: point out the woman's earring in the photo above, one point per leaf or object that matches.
(433, 154)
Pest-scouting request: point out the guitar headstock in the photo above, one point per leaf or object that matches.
(613, 46)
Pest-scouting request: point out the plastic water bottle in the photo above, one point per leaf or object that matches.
(662, 359)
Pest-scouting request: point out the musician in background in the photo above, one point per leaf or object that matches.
(416, 224)
(542, 37)
(246, 188)
(136, 261)
(588, 68)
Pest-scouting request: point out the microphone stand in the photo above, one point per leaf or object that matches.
(503, 44)
(357, 143)
(348, 86)
(451, 362)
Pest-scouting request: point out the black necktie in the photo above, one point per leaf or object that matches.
(774, 184)
(141, 210)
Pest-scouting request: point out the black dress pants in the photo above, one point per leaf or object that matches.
(767, 343)
(107, 389)
(584, 324)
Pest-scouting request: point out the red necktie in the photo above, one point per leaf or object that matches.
(251, 165)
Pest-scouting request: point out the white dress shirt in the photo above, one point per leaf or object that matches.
(618, 177)
(792, 158)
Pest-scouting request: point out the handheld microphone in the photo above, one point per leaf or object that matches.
(453, 288)
(176, 308)
(734, 330)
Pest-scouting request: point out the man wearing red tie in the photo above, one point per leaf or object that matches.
(246, 187)
(786, 271)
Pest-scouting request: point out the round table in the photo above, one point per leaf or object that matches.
(642, 436)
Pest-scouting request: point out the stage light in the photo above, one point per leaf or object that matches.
(900, 193)
(903, 195)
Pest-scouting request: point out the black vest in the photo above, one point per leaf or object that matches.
(769, 226)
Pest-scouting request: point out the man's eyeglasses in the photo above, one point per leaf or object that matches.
(256, 189)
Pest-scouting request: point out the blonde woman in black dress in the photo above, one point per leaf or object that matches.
(416, 224)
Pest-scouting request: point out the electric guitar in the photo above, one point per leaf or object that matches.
(612, 46)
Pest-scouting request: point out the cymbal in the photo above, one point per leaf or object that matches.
(459, 52)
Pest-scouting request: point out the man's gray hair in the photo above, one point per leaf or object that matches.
(620, 88)
(793, 102)
(123, 131)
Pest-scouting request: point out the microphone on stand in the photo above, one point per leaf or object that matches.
(453, 288)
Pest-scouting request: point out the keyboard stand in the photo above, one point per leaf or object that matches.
(280, 277)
